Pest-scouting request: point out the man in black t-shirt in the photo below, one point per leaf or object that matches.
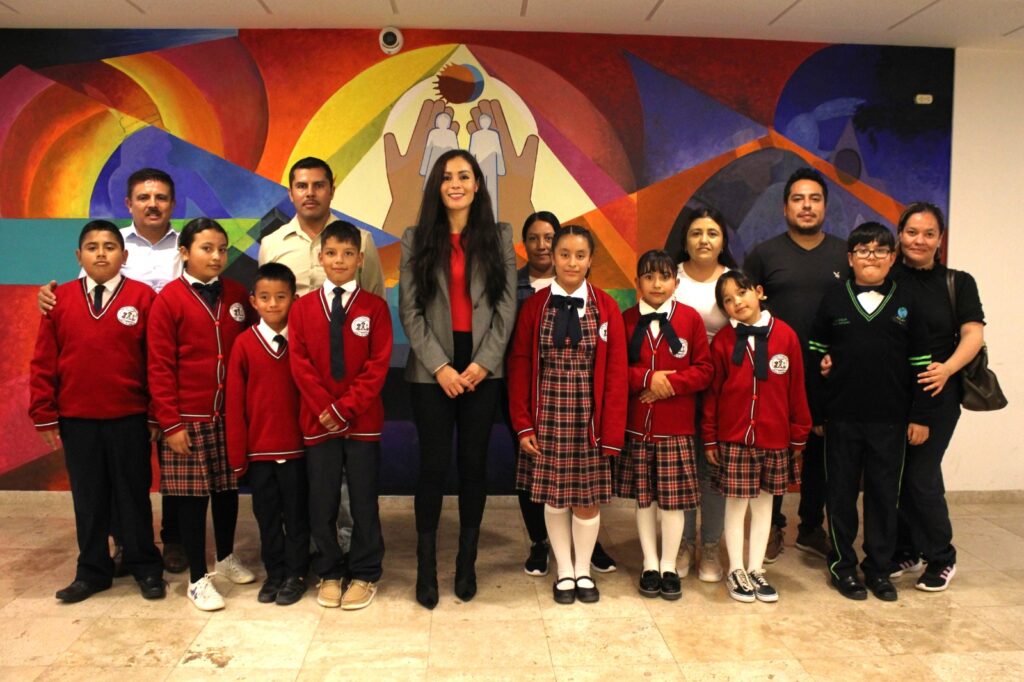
(796, 268)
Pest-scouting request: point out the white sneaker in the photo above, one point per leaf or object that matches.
(232, 569)
(204, 595)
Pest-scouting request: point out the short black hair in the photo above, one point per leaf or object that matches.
(275, 272)
(144, 174)
(100, 226)
(194, 227)
(868, 232)
(656, 260)
(546, 216)
(342, 231)
(308, 163)
(805, 173)
(742, 280)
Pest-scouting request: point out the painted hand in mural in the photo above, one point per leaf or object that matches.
(516, 185)
(403, 170)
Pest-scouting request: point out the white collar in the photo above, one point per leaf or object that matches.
(646, 309)
(192, 280)
(765, 318)
(110, 285)
(582, 293)
(348, 287)
(268, 334)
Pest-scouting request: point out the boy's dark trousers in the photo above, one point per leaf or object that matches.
(876, 452)
(280, 503)
(108, 463)
(325, 464)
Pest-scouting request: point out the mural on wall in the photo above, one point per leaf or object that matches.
(616, 132)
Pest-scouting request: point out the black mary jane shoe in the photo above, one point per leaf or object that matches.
(587, 595)
(850, 587)
(268, 592)
(882, 588)
(152, 587)
(671, 587)
(77, 591)
(564, 596)
(650, 584)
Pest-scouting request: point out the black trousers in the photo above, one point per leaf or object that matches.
(109, 467)
(532, 512)
(812, 487)
(280, 503)
(169, 532)
(326, 463)
(437, 417)
(875, 452)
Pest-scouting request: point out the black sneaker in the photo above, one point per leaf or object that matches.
(671, 588)
(537, 562)
(268, 592)
(905, 563)
(739, 586)
(763, 591)
(936, 577)
(815, 543)
(601, 562)
(650, 584)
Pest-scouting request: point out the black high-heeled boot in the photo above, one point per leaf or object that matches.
(465, 563)
(426, 569)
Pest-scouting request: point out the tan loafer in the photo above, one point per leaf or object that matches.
(329, 593)
(358, 595)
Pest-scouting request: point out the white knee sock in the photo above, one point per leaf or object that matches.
(735, 517)
(672, 526)
(760, 527)
(559, 525)
(647, 529)
(584, 537)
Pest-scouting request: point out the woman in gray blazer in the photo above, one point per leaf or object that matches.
(457, 305)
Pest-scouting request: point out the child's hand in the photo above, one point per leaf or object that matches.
(473, 375)
(826, 365)
(154, 433)
(452, 383)
(180, 443)
(528, 444)
(818, 430)
(712, 455)
(646, 397)
(46, 299)
(328, 421)
(660, 385)
(798, 455)
(916, 433)
(934, 378)
(51, 437)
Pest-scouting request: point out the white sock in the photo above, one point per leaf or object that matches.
(760, 527)
(647, 529)
(735, 517)
(672, 526)
(559, 525)
(584, 537)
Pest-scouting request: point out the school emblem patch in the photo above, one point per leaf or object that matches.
(602, 331)
(779, 363)
(128, 316)
(683, 349)
(237, 312)
(361, 326)
(901, 313)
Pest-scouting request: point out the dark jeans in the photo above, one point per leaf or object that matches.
(280, 503)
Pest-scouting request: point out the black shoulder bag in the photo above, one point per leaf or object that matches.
(981, 387)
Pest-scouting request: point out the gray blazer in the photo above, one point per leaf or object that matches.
(431, 344)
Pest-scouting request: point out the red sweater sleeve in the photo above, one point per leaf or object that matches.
(697, 376)
(314, 396)
(162, 366)
(369, 381)
(43, 377)
(520, 371)
(237, 420)
(616, 385)
(720, 371)
(799, 412)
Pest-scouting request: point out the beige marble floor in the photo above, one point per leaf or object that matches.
(512, 630)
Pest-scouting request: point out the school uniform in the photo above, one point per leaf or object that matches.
(573, 398)
(351, 392)
(265, 444)
(756, 412)
(659, 462)
(878, 342)
(101, 411)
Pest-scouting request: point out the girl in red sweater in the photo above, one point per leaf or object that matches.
(192, 326)
(755, 424)
(567, 391)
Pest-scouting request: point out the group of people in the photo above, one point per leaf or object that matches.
(820, 362)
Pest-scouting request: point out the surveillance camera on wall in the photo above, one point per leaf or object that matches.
(391, 40)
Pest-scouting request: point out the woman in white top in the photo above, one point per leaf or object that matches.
(703, 258)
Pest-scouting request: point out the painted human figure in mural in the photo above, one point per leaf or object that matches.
(485, 146)
(441, 139)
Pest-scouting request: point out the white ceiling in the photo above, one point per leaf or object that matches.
(992, 24)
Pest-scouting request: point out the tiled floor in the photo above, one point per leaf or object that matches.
(512, 630)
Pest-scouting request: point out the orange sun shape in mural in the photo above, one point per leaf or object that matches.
(459, 83)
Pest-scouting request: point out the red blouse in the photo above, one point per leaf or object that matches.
(458, 290)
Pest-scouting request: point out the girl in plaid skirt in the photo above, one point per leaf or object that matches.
(755, 424)
(192, 326)
(669, 364)
(567, 395)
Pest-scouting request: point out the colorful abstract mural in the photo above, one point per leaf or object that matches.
(617, 132)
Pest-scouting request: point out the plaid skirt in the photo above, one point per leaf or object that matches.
(745, 471)
(569, 471)
(203, 472)
(663, 470)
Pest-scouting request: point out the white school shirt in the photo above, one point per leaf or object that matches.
(346, 294)
(268, 334)
(109, 287)
(870, 300)
(646, 309)
(583, 293)
(763, 321)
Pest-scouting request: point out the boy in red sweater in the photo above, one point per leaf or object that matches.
(265, 440)
(101, 419)
(340, 353)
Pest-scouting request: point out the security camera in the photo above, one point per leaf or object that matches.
(390, 40)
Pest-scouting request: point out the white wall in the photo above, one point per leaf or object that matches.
(987, 239)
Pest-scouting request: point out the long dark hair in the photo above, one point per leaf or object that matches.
(695, 212)
(480, 239)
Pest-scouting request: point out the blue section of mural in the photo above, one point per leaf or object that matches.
(52, 242)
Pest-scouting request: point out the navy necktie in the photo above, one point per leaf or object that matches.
(567, 321)
(208, 292)
(97, 298)
(667, 330)
(760, 335)
(281, 342)
(337, 335)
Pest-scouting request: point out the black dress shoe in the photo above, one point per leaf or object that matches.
(426, 570)
(882, 588)
(291, 590)
(152, 587)
(78, 591)
(175, 560)
(268, 592)
(587, 595)
(567, 594)
(650, 584)
(850, 587)
(671, 588)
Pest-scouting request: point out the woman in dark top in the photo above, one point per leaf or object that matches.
(956, 337)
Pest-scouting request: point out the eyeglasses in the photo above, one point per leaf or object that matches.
(865, 253)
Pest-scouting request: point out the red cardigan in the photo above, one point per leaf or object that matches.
(672, 416)
(770, 414)
(91, 365)
(608, 421)
(355, 399)
(189, 346)
(262, 404)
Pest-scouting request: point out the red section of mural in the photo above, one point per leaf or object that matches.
(105, 84)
